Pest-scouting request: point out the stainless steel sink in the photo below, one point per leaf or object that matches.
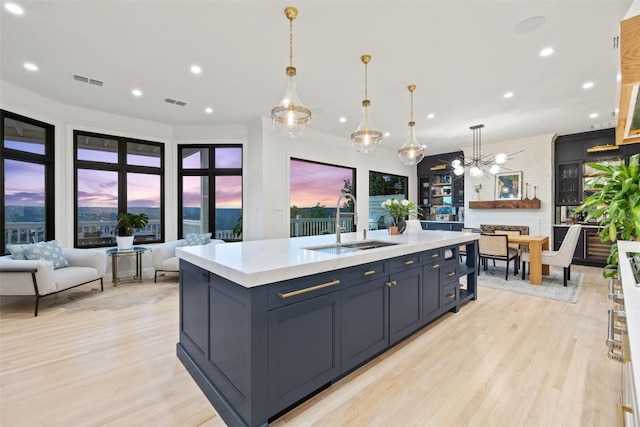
(347, 247)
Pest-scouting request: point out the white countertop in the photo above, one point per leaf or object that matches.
(632, 308)
(260, 262)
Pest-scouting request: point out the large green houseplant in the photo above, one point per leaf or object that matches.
(615, 202)
(126, 223)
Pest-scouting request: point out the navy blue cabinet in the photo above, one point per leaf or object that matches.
(194, 293)
(431, 301)
(365, 322)
(254, 352)
(304, 348)
(405, 303)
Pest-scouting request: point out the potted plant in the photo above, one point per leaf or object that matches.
(127, 222)
(399, 210)
(615, 203)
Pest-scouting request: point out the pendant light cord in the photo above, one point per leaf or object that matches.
(290, 42)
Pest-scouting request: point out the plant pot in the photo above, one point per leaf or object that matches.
(124, 242)
(393, 230)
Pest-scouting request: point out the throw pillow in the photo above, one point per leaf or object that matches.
(194, 239)
(47, 251)
(17, 251)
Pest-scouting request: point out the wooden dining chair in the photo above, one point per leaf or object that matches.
(514, 246)
(496, 247)
(560, 258)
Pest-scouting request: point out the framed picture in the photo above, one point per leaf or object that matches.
(509, 186)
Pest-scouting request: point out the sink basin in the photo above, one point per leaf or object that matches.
(344, 248)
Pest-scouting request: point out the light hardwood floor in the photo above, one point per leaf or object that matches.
(504, 360)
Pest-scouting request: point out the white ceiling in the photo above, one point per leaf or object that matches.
(462, 55)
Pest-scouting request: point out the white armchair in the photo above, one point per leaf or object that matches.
(164, 256)
(562, 257)
(38, 278)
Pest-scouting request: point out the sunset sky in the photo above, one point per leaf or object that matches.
(311, 183)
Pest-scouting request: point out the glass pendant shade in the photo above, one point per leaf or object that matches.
(475, 172)
(494, 169)
(290, 117)
(411, 153)
(501, 158)
(366, 139)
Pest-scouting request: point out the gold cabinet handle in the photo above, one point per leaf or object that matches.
(408, 262)
(310, 289)
(451, 296)
(391, 283)
(369, 272)
(451, 273)
(621, 409)
(436, 255)
(435, 266)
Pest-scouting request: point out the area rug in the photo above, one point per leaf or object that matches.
(552, 285)
(125, 295)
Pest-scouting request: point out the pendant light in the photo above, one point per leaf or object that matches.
(366, 139)
(290, 117)
(411, 152)
(479, 165)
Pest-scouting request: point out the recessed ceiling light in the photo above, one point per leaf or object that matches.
(587, 85)
(546, 51)
(136, 92)
(430, 116)
(593, 115)
(14, 8)
(387, 134)
(342, 119)
(31, 67)
(619, 77)
(208, 110)
(195, 69)
(616, 111)
(508, 94)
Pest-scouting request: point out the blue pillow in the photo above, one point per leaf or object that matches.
(194, 239)
(47, 251)
(17, 250)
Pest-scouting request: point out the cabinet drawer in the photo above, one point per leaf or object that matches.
(303, 288)
(449, 273)
(450, 295)
(431, 256)
(404, 262)
(365, 272)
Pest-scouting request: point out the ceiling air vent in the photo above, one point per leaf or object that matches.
(616, 42)
(84, 79)
(173, 101)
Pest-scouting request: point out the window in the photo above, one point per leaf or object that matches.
(27, 212)
(315, 188)
(210, 189)
(113, 175)
(383, 186)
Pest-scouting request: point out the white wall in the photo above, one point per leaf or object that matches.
(536, 163)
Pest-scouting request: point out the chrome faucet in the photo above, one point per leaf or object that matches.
(345, 195)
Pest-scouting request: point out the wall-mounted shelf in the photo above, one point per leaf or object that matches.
(506, 204)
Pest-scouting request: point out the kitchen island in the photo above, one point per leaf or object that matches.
(265, 324)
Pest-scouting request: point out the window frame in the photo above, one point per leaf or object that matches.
(122, 169)
(47, 160)
(211, 173)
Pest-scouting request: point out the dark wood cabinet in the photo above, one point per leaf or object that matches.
(590, 250)
(431, 291)
(194, 293)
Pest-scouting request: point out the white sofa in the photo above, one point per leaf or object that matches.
(164, 256)
(34, 277)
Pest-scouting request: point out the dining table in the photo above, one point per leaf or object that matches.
(536, 245)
